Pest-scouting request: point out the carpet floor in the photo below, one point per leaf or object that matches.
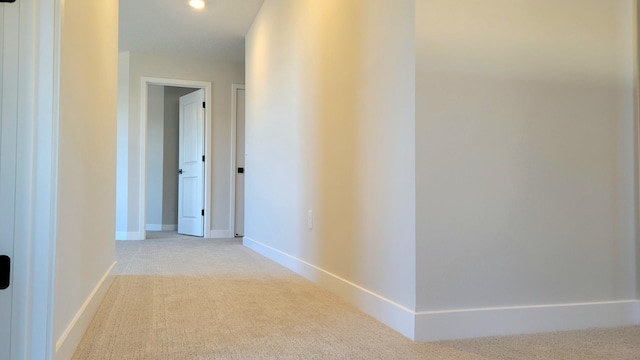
(190, 298)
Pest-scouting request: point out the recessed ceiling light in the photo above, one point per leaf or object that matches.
(197, 4)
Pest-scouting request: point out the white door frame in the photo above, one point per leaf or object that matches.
(9, 80)
(142, 186)
(36, 180)
(232, 181)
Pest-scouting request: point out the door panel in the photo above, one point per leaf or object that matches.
(240, 153)
(191, 165)
(9, 25)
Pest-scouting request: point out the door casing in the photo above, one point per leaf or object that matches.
(36, 179)
(9, 65)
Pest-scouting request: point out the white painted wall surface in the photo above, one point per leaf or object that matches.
(329, 128)
(525, 153)
(122, 158)
(222, 75)
(86, 193)
(521, 147)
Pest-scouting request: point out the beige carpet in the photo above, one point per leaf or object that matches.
(191, 298)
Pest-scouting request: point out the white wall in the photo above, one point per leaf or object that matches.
(492, 191)
(329, 128)
(86, 194)
(122, 159)
(222, 75)
(525, 163)
(155, 156)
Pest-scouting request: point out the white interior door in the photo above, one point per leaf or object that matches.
(191, 164)
(9, 25)
(240, 152)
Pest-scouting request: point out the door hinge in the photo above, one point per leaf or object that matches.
(202, 212)
(203, 105)
(202, 158)
(5, 272)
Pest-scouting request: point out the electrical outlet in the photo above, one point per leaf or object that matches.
(310, 219)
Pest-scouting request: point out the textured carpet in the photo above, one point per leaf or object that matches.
(190, 298)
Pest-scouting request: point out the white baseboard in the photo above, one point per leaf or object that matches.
(162, 227)
(221, 234)
(133, 235)
(388, 312)
(69, 340)
(461, 323)
(470, 323)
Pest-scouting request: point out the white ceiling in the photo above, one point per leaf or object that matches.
(172, 27)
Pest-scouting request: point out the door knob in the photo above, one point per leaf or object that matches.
(5, 271)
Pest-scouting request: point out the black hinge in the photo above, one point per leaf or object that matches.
(202, 158)
(202, 212)
(203, 106)
(5, 272)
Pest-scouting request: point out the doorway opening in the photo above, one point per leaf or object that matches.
(161, 181)
(163, 164)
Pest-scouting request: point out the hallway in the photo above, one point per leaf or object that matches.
(189, 298)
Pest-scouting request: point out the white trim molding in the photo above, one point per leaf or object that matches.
(132, 235)
(392, 314)
(144, 83)
(460, 323)
(161, 227)
(470, 323)
(36, 180)
(69, 340)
